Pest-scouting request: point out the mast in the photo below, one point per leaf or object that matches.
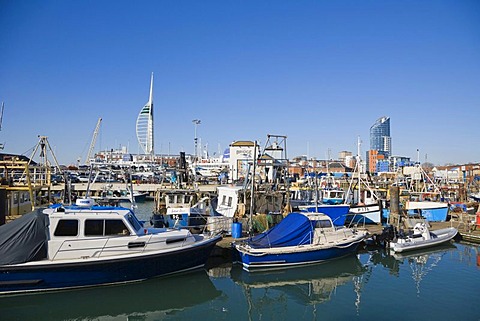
(359, 143)
(252, 187)
(1, 121)
(1, 115)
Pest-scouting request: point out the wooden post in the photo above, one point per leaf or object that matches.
(3, 206)
(394, 206)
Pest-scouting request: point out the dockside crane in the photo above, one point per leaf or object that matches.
(94, 140)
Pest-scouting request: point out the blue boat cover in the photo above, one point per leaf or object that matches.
(294, 229)
(24, 239)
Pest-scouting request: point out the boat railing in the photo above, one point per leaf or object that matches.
(361, 222)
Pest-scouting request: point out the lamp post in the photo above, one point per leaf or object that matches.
(196, 122)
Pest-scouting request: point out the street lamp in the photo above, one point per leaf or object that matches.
(196, 122)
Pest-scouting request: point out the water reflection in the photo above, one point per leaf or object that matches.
(148, 300)
(420, 262)
(309, 285)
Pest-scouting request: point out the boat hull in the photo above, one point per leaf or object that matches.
(432, 211)
(431, 214)
(53, 275)
(302, 255)
(364, 214)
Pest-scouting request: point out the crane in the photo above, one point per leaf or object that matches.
(94, 139)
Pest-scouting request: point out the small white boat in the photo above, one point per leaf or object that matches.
(421, 237)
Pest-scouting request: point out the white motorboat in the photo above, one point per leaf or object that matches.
(421, 237)
(85, 245)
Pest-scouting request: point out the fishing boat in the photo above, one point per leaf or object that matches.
(337, 212)
(85, 245)
(301, 238)
(327, 198)
(365, 206)
(421, 237)
(189, 216)
(430, 210)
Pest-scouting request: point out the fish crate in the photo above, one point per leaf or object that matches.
(217, 224)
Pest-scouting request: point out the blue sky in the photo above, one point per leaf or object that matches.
(319, 72)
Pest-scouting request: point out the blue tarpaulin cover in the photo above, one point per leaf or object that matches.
(294, 229)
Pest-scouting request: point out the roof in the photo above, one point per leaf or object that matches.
(242, 143)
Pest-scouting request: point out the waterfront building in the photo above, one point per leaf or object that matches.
(380, 143)
(380, 139)
(382, 166)
(241, 155)
(373, 156)
(344, 155)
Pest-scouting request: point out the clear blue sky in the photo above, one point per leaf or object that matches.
(319, 72)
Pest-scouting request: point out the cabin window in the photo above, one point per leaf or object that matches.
(134, 222)
(94, 227)
(115, 227)
(66, 228)
(105, 227)
(323, 224)
(187, 199)
(224, 200)
(171, 199)
(15, 198)
(230, 201)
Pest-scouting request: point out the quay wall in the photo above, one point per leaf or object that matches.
(151, 189)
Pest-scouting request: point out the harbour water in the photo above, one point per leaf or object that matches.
(439, 284)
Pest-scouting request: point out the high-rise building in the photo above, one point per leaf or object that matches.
(380, 139)
(145, 124)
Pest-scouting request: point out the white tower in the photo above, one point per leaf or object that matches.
(145, 124)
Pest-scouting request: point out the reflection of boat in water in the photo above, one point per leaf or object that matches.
(312, 284)
(139, 301)
(422, 262)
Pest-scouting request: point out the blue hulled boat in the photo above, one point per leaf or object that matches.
(299, 239)
(65, 247)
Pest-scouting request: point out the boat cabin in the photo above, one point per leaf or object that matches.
(101, 231)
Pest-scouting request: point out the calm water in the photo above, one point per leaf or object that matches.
(440, 284)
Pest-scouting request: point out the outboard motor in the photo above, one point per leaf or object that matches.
(388, 234)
